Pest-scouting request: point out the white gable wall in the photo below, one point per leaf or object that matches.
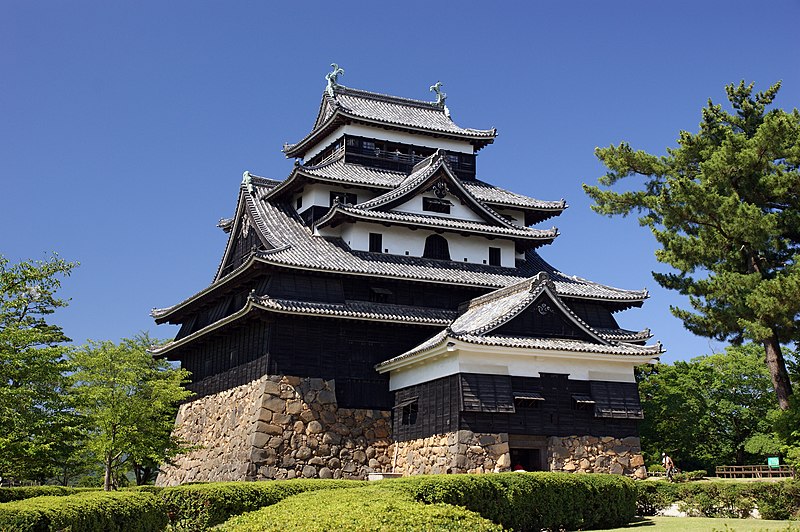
(458, 211)
(517, 363)
(399, 239)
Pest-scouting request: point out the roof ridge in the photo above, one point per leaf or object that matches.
(388, 97)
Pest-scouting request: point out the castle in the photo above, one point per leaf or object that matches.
(383, 310)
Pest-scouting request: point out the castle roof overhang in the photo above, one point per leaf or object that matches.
(485, 314)
(445, 345)
(348, 105)
(353, 310)
(292, 245)
(525, 237)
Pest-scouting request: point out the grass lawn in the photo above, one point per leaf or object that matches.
(707, 524)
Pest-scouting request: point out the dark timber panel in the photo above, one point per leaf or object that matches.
(345, 350)
(224, 351)
(442, 409)
(544, 320)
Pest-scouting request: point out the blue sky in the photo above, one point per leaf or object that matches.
(125, 127)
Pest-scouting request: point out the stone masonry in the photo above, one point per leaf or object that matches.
(279, 427)
(462, 451)
(467, 452)
(590, 454)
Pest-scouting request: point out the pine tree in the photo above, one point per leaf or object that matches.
(725, 208)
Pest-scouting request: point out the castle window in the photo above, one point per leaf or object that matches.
(344, 197)
(583, 402)
(375, 242)
(436, 205)
(494, 256)
(528, 399)
(436, 248)
(410, 414)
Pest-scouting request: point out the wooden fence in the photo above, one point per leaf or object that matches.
(755, 471)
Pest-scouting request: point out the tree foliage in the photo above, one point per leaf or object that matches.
(725, 208)
(713, 410)
(129, 400)
(38, 428)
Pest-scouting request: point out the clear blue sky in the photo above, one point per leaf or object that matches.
(125, 126)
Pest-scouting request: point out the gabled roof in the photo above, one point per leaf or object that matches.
(373, 108)
(485, 314)
(339, 212)
(426, 172)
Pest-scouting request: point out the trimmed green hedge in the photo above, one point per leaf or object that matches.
(27, 492)
(534, 501)
(86, 511)
(200, 506)
(774, 500)
(377, 507)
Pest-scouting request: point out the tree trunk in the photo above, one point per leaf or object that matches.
(107, 477)
(777, 371)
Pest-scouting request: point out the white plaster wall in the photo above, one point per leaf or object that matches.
(320, 194)
(391, 136)
(458, 211)
(524, 363)
(518, 216)
(398, 240)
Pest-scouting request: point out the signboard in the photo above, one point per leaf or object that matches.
(773, 461)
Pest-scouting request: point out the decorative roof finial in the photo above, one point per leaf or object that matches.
(247, 181)
(331, 78)
(440, 96)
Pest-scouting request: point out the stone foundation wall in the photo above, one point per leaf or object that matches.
(467, 452)
(590, 454)
(279, 427)
(462, 451)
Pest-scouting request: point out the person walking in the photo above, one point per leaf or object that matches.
(669, 466)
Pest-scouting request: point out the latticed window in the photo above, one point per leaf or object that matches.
(436, 248)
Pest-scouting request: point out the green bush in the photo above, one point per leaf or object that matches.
(86, 511)
(200, 506)
(27, 492)
(774, 500)
(654, 496)
(533, 501)
(700, 474)
(379, 507)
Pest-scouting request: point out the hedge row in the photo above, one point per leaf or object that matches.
(27, 492)
(774, 500)
(89, 511)
(376, 507)
(533, 501)
(200, 506)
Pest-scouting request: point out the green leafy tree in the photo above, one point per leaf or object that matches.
(713, 410)
(37, 424)
(723, 205)
(130, 401)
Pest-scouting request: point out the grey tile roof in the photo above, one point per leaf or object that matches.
(294, 245)
(420, 220)
(339, 171)
(361, 310)
(486, 313)
(382, 109)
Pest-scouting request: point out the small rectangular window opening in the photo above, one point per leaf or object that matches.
(436, 205)
(409, 416)
(494, 256)
(375, 242)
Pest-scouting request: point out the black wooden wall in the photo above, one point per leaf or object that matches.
(454, 402)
